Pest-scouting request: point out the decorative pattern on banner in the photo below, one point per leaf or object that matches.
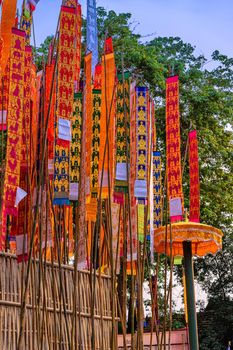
(71, 3)
(82, 243)
(88, 111)
(122, 131)
(151, 201)
(75, 149)
(142, 143)
(4, 97)
(97, 77)
(194, 214)
(26, 24)
(78, 36)
(49, 71)
(174, 178)
(107, 118)
(65, 97)
(95, 142)
(141, 214)
(7, 22)
(26, 121)
(14, 126)
(133, 205)
(24, 205)
(34, 120)
(157, 189)
(92, 34)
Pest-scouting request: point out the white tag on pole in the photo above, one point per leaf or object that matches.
(21, 242)
(3, 115)
(20, 194)
(175, 207)
(64, 129)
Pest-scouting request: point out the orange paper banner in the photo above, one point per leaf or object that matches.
(107, 123)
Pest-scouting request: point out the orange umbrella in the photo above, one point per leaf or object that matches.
(205, 239)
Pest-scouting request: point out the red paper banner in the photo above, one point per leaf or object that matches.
(14, 126)
(174, 177)
(97, 77)
(49, 71)
(194, 214)
(24, 205)
(78, 36)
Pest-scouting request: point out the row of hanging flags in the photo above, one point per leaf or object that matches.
(101, 144)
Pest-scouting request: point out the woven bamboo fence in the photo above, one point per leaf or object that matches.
(49, 307)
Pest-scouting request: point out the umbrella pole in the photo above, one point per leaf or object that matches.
(191, 305)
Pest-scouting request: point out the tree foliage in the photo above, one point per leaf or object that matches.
(41, 53)
(216, 325)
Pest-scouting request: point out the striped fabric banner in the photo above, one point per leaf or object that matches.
(65, 97)
(194, 211)
(173, 157)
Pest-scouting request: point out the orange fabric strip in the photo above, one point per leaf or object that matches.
(107, 119)
(88, 111)
(8, 21)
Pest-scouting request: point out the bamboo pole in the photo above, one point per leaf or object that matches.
(23, 308)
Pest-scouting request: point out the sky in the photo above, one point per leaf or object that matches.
(206, 24)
